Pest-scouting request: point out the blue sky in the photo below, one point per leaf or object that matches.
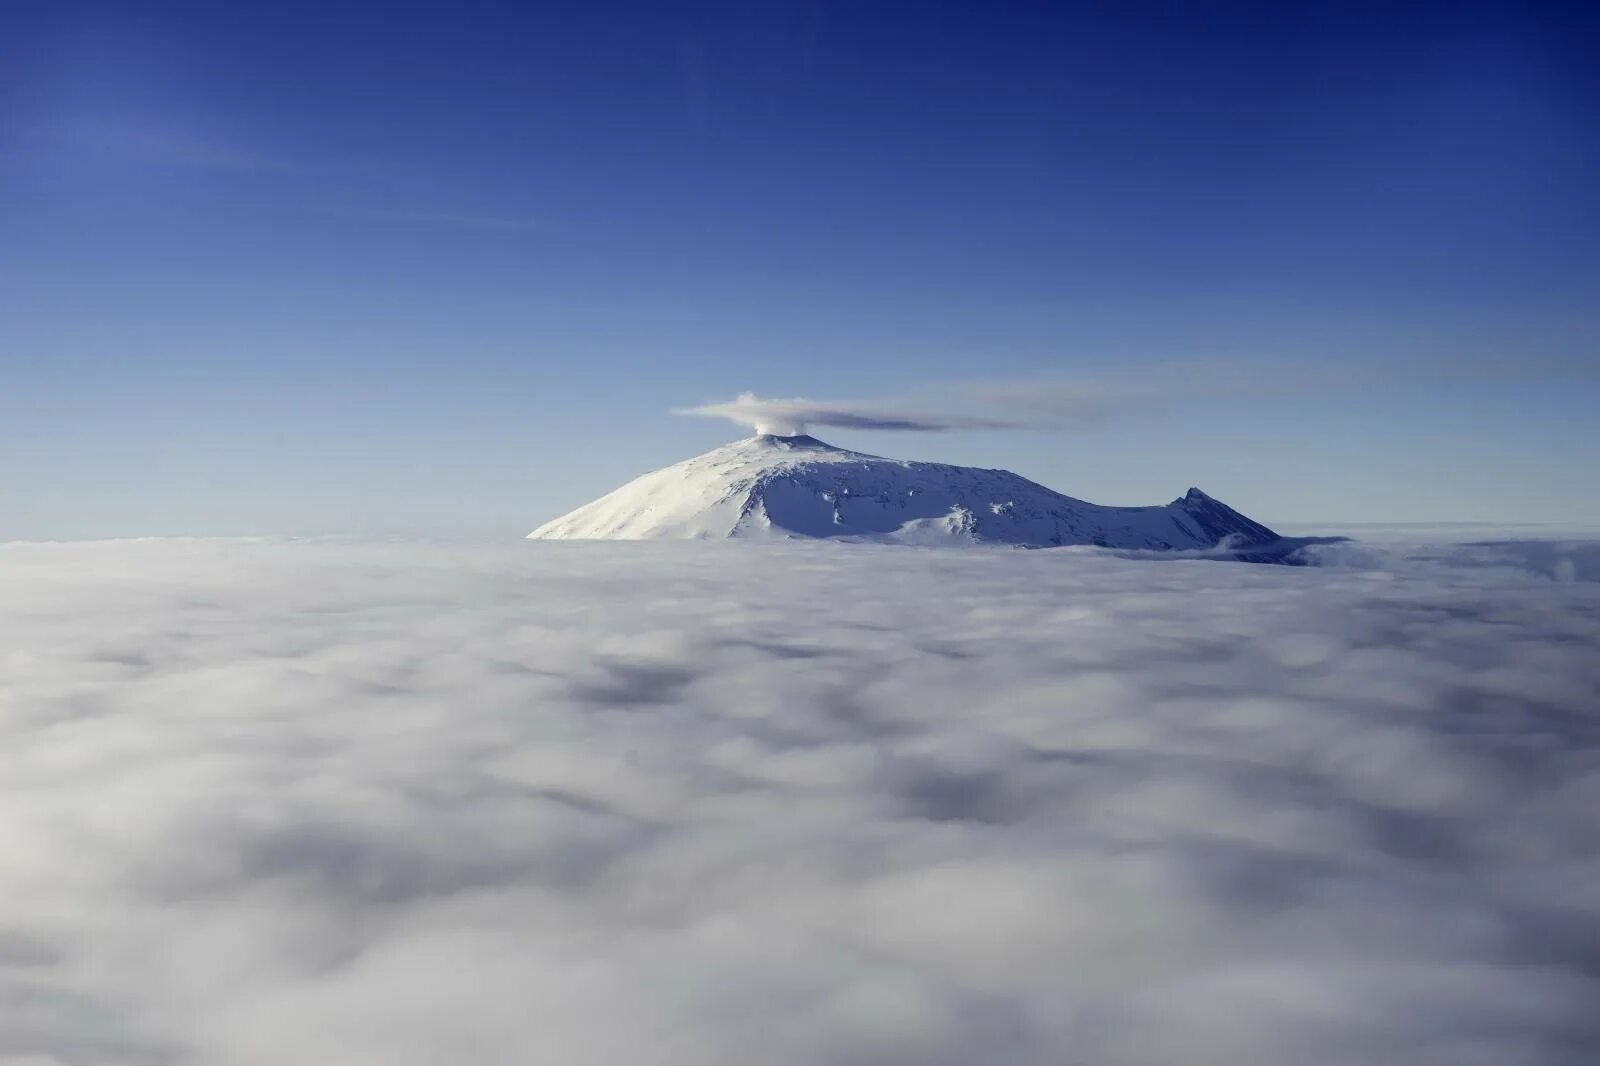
(409, 268)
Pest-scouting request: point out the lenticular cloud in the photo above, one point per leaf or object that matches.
(382, 805)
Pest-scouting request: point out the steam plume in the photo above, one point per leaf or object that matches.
(1092, 398)
(788, 418)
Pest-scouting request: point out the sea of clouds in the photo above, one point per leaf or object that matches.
(393, 804)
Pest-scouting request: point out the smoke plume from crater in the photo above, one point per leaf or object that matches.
(792, 417)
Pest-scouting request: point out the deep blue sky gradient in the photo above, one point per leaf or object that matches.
(446, 267)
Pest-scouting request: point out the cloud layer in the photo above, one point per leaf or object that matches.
(389, 804)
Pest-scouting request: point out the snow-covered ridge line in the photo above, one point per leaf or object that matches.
(786, 487)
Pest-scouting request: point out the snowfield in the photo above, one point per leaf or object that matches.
(391, 804)
(770, 487)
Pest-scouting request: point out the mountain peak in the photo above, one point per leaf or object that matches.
(794, 485)
(795, 442)
(783, 486)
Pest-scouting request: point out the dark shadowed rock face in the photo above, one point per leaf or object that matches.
(1218, 522)
(799, 442)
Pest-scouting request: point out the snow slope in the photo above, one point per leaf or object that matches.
(772, 487)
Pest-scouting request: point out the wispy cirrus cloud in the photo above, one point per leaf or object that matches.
(495, 223)
(154, 144)
(166, 146)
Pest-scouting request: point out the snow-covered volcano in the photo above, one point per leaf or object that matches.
(776, 487)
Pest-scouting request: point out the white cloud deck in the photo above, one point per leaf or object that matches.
(797, 804)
